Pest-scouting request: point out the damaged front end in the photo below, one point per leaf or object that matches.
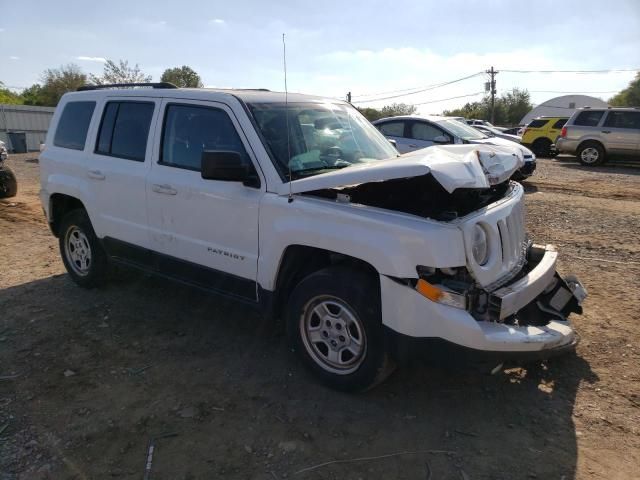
(508, 299)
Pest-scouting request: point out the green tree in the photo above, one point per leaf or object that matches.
(371, 114)
(7, 96)
(514, 105)
(33, 95)
(629, 97)
(120, 72)
(184, 77)
(393, 110)
(396, 109)
(510, 107)
(55, 82)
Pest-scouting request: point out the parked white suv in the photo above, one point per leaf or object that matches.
(363, 252)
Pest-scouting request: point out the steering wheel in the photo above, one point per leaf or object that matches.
(331, 155)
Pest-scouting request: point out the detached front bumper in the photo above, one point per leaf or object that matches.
(529, 314)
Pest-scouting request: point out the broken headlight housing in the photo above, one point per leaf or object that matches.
(479, 246)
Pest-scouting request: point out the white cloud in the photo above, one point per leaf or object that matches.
(13, 57)
(217, 21)
(91, 59)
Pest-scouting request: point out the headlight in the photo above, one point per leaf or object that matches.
(479, 246)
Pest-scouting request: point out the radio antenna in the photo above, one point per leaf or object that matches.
(286, 114)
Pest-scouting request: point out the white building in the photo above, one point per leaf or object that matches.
(562, 106)
(23, 127)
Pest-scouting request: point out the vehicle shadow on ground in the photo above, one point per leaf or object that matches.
(613, 166)
(149, 356)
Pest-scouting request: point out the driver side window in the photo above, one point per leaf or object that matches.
(189, 130)
(425, 131)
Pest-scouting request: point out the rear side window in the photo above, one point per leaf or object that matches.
(124, 130)
(73, 125)
(560, 123)
(424, 131)
(190, 130)
(588, 118)
(623, 120)
(392, 129)
(539, 123)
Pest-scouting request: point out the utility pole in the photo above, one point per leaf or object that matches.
(348, 97)
(492, 87)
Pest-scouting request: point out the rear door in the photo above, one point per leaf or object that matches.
(118, 165)
(396, 130)
(621, 132)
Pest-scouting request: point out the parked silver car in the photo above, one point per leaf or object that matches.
(413, 132)
(593, 134)
(494, 132)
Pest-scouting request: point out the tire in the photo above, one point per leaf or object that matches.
(81, 251)
(339, 307)
(8, 183)
(590, 154)
(542, 147)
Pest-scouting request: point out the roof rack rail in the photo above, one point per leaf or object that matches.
(126, 85)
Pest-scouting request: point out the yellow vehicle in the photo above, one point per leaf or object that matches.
(541, 134)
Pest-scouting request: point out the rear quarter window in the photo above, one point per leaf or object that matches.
(392, 129)
(588, 118)
(73, 125)
(560, 123)
(539, 123)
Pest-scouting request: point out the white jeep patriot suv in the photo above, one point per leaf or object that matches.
(298, 205)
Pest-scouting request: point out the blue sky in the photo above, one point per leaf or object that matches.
(334, 46)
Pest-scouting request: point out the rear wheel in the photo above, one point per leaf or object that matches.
(591, 153)
(334, 324)
(542, 147)
(82, 254)
(8, 183)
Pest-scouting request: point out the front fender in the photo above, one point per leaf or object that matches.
(393, 243)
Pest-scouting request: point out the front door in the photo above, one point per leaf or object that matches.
(621, 130)
(205, 230)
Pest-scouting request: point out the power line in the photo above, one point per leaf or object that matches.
(430, 87)
(450, 98)
(406, 89)
(559, 91)
(574, 71)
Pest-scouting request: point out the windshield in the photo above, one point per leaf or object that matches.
(461, 130)
(322, 137)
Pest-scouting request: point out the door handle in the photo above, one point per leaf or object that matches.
(413, 145)
(606, 131)
(164, 189)
(96, 175)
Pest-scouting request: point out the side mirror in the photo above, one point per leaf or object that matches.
(441, 140)
(228, 167)
(393, 142)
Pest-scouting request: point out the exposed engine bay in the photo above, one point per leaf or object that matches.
(422, 195)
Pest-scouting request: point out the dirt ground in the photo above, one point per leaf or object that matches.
(88, 378)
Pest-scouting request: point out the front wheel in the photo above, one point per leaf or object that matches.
(334, 324)
(82, 254)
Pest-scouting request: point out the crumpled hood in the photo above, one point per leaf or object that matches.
(504, 143)
(453, 166)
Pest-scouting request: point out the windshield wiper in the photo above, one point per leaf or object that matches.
(303, 172)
